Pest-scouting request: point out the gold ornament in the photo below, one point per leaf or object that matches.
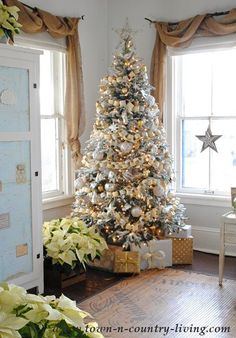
(131, 74)
(140, 123)
(129, 106)
(124, 90)
(146, 173)
(157, 232)
(100, 188)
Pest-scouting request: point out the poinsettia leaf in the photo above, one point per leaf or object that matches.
(70, 331)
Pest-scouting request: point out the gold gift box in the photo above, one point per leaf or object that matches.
(127, 262)
(182, 250)
(106, 261)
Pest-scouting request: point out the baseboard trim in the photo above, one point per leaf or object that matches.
(207, 240)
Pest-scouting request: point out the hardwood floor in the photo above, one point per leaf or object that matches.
(166, 303)
(97, 281)
(209, 264)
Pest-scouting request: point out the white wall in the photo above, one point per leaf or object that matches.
(159, 10)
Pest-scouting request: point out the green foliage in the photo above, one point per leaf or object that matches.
(60, 330)
(8, 21)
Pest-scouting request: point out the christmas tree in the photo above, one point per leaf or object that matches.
(123, 186)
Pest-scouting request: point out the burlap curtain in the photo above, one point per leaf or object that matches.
(58, 27)
(180, 35)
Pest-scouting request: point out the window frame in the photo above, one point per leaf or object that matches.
(172, 120)
(64, 195)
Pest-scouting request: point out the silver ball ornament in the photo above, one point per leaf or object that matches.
(158, 191)
(80, 182)
(110, 187)
(136, 211)
(98, 155)
(126, 147)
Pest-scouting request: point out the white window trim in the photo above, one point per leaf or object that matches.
(45, 41)
(170, 121)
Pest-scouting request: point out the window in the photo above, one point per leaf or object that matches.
(204, 94)
(54, 152)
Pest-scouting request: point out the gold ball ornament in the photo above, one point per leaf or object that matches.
(157, 232)
(100, 188)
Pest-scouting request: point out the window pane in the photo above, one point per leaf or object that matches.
(224, 75)
(196, 84)
(46, 83)
(49, 155)
(195, 164)
(223, 163)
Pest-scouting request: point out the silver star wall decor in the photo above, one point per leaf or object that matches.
(208, 139)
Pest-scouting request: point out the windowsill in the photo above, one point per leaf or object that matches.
(56, 202)
(205, 200)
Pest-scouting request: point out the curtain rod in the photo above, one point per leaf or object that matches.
(208, 15)
(33, 8)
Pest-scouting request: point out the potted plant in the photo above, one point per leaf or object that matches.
(24, 315)
(69, 244)
(8, 21)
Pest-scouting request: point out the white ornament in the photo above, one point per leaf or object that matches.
(113, 127)
(111, 175)
(8, 97)
(122, 103)
(98, 155)
(110, 187)
(158, 191)
(94, 198)
(80, 182)
(136, 211)
(126, 147)
(124, 117)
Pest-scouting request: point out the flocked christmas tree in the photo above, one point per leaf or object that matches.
(123, 186)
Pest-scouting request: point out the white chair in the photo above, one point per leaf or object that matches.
(227, 237)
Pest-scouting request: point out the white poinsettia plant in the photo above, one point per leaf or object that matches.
(8, 21)
(24, 315)
(70, 241)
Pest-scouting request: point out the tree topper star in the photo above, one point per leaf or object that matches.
(208, 140)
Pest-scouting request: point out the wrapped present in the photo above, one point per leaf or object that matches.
(150, 255)
(181, 232)
(106, 261)
(127, 262)
(182, 250)
(165, 245)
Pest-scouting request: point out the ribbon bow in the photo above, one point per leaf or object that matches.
(151, 257)
(126, 260)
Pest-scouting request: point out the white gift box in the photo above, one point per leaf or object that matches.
(154, 254)
(181, 232)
